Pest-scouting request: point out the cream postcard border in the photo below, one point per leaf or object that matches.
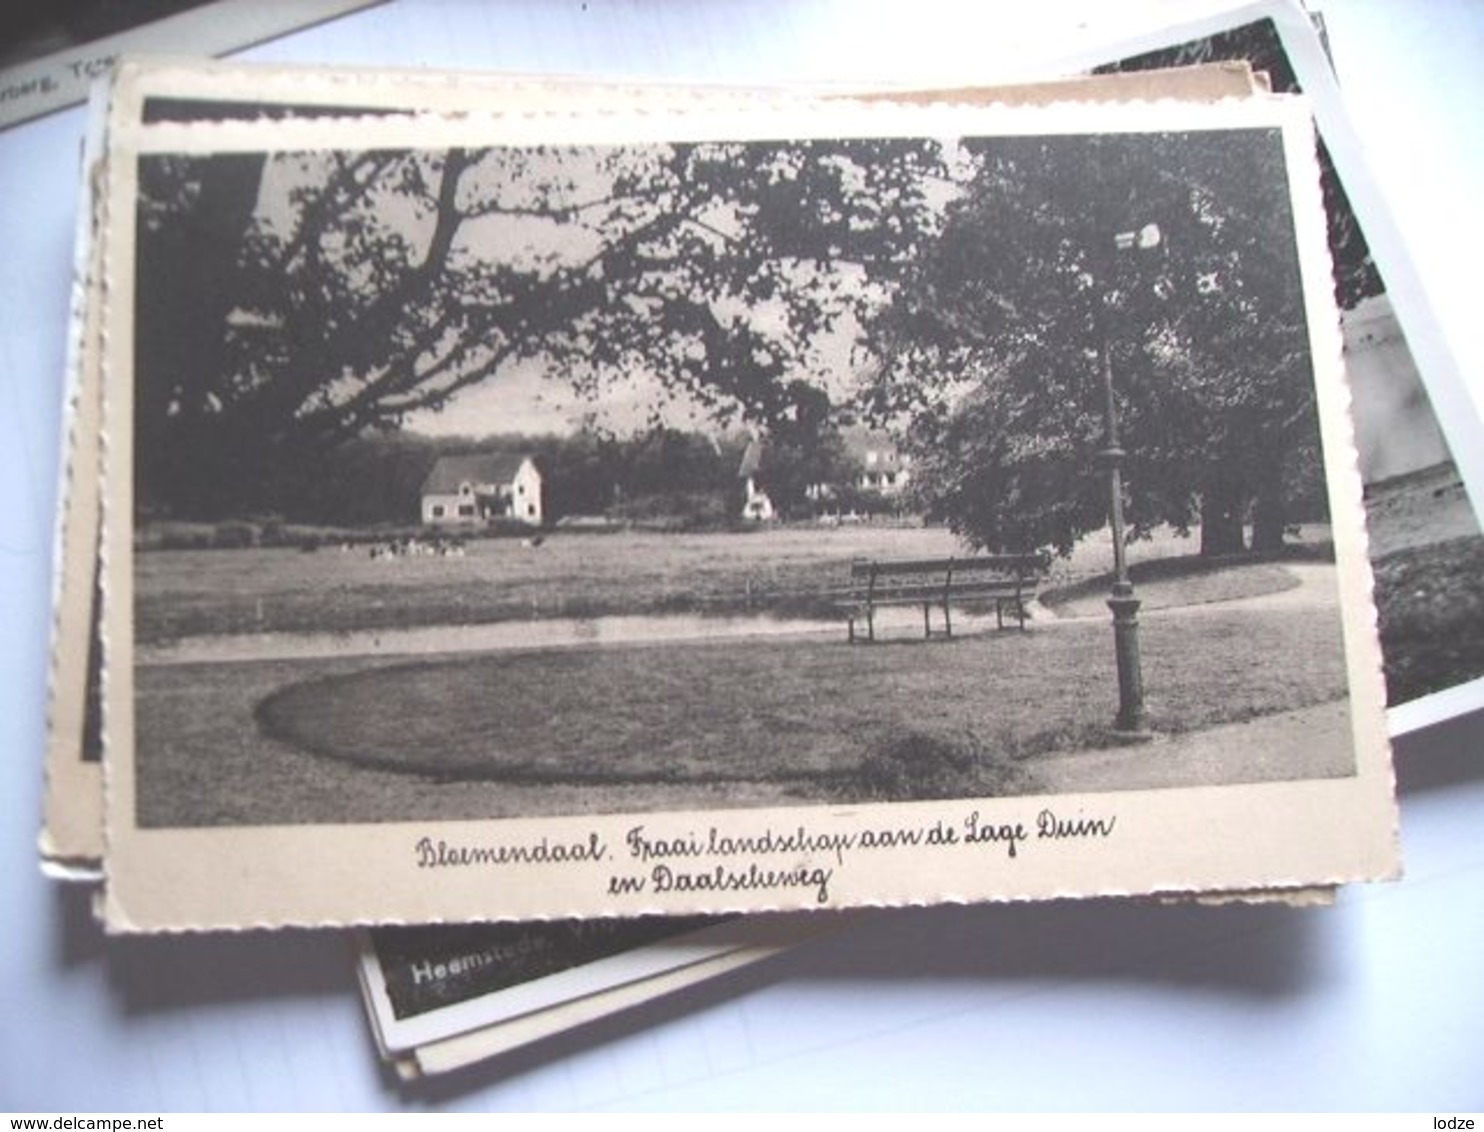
(72, 836)
(1264, 835)
(71, 840)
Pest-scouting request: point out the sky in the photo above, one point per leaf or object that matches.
(517, 231)
(523, 399)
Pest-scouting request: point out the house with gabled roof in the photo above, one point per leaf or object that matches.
(880, 465)
(470, 490)
(874, 466)
(757, 505)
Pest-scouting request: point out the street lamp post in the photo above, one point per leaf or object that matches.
(1129, 723)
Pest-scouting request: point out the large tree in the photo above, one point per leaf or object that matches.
(995, 352)
(1258, 43)
(291, 302)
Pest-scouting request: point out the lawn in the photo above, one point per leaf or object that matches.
(790, 571)
(1172, 583)
(1430, 600)
(701, 725)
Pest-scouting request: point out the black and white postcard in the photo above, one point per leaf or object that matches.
(555, 515)
(609, 988)
(505, 985)
(194, 90)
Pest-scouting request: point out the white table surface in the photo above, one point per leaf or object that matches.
(1377, 1003)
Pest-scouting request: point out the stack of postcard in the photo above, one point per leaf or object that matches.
(632, 529)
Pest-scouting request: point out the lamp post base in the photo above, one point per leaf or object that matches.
(1128, 726)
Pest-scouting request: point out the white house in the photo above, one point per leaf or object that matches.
(880, 465)
(756, 503)
(468, 490)
(877, 465)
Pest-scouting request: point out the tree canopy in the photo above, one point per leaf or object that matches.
(288, 303)
(291, 303)
(1258, 43)
(993, 353)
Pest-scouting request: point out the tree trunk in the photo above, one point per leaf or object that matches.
(1270, 512)
(1221, 518)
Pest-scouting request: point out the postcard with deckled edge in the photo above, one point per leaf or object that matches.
(1420, 432)
(1374, 341)
(426, 984)
(626, 776)
(489, 1042)
(72, 839)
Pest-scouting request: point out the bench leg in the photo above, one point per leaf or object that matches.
(947, 620)
(871, 624)
(999, 614)
(927, 624)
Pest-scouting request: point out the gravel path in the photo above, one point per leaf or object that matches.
(1318, 588)
(1312, 742)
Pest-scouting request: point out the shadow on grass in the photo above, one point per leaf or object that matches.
(1167, 583)
(902, 763)
(806, 718)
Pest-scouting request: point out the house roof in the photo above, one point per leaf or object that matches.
(859, 441)
(477, 469)
(752, 458)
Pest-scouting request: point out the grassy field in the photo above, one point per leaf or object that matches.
(181, 593)
(1431, 604)
(791, 571)
(1428, 557)
(716, 724)
(706, 724)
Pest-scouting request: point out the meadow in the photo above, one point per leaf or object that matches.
(781, 569)
(1428, 557)
(713, 723)
(784, 570)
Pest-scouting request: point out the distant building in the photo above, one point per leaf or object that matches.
(757, 505)
(874, 466)
(880, 466)
(469, 490)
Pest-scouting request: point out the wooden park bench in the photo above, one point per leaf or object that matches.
(1007, 580)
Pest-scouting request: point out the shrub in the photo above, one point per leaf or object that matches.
(913, 765)
(234, 535)
(675, 511)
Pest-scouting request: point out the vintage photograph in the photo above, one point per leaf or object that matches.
(158, 92)
(699, 474)
(643, 394)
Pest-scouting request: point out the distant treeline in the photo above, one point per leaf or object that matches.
(664, 477)
(378, 479)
